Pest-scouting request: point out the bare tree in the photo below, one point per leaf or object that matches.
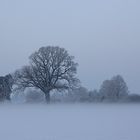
(114, 88)
(51, 68)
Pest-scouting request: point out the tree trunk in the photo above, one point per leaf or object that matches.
(47, 97)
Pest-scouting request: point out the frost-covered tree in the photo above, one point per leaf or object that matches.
(33, 96)
(6, 83)
(51, 68)
(80, 94)
(94, 96)
(114, 88)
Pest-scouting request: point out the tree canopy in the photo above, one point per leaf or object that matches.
(114, 88)
(51, 68)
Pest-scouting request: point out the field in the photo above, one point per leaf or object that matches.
(70, 122)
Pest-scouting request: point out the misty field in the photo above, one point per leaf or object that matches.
(70, 122)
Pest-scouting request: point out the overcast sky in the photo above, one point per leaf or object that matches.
(103, 35)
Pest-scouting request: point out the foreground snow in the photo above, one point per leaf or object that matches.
(70, 122)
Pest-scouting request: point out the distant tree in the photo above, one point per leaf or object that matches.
(6, 83)
(81, 94)
(94, 96)
(114, 88)
(51, 68)
(133, 98)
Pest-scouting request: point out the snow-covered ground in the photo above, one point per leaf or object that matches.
(70, 122)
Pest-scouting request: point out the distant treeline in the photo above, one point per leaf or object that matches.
(51, 76)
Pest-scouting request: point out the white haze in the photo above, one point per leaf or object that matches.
(70, 122)
(103, 35)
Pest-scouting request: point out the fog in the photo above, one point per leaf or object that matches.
(77, 122)
(102, 35)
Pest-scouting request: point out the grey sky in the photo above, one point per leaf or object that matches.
(103, 35)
